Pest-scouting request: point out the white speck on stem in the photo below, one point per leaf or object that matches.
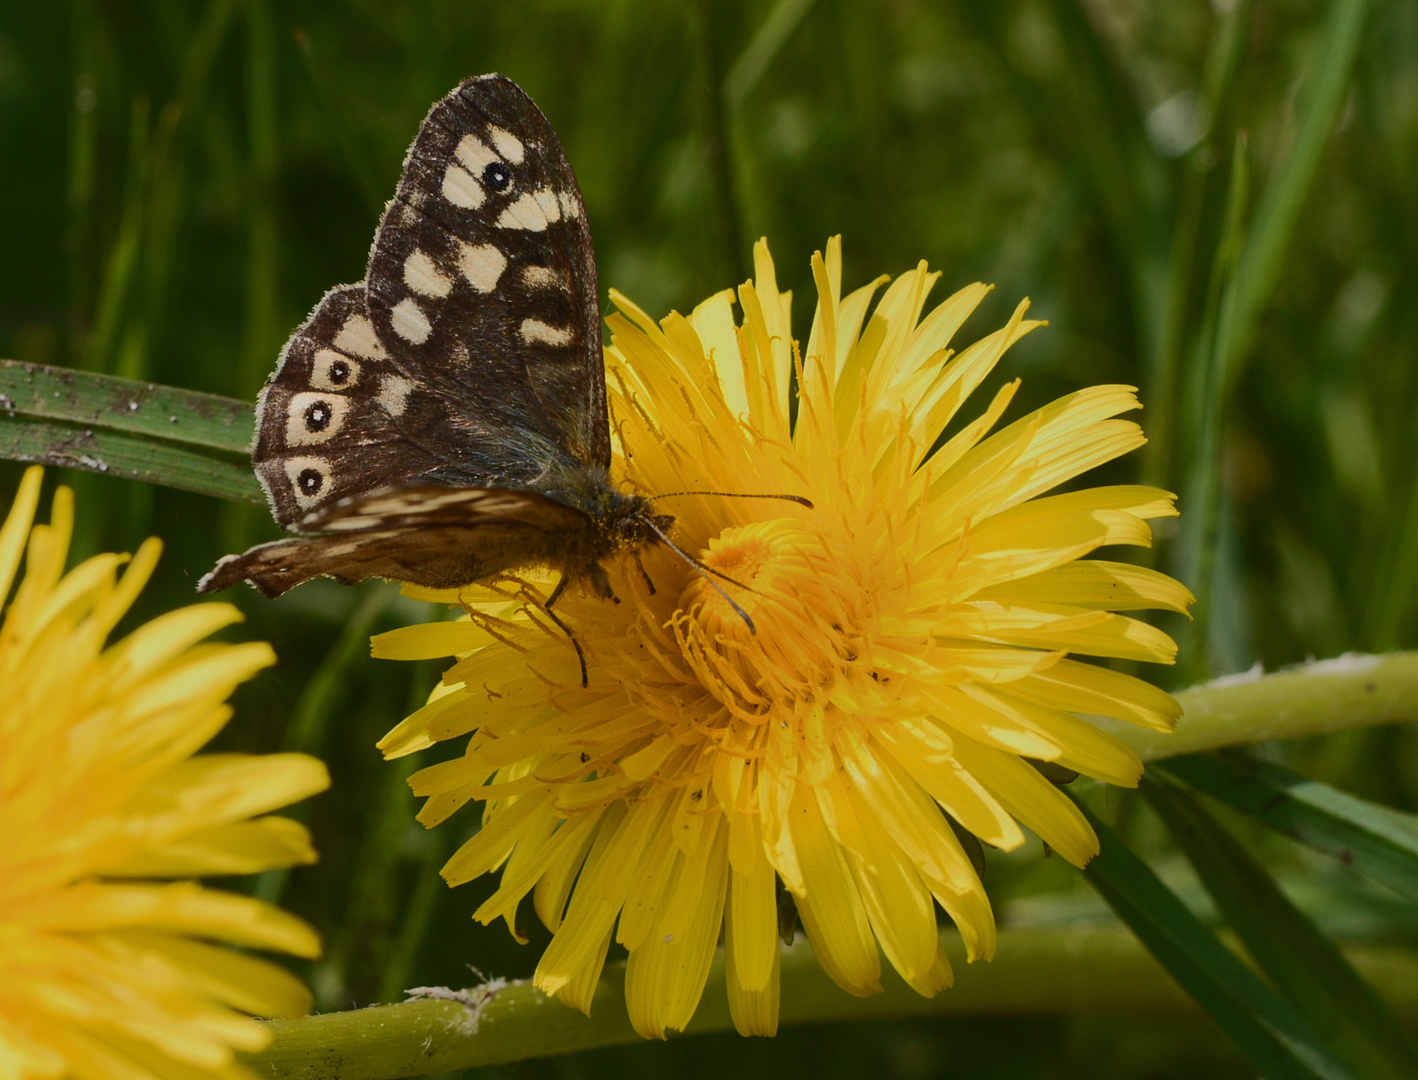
(474, 999)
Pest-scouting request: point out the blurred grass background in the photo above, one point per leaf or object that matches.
(183, 180)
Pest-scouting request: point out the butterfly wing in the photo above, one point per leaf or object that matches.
(469, 358)
(430, 535)
(482, 285)
(338, 416)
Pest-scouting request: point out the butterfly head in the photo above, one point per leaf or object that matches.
(630, 522)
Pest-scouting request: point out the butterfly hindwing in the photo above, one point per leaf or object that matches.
(330, 420)
(431, 535)
(482, 285)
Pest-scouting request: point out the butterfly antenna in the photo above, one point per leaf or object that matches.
(704, 572)
(735, 495)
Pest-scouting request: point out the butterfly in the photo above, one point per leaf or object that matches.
(444, 421)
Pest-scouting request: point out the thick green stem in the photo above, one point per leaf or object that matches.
(1350, 691)
(1093, 970)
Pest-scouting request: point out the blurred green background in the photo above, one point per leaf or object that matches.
(181, 181)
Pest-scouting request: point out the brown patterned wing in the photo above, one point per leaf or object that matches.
(335, 416)
(430, 535)
(482, 285)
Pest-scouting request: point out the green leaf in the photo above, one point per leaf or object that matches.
(1264, 1027)
(1304, 964)
(1380, 843)
(137, 430)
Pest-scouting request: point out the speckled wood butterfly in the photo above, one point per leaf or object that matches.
(445, 420)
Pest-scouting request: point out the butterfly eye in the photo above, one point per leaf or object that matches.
(497, 176)
(310, 481)
(317, 417)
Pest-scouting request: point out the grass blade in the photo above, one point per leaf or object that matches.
(1304, 964)
(1264, 1027)
(1280, 206)
(1196, 181)
(761, 50)
(1380, 843)
(1207, 405)
(138, 430)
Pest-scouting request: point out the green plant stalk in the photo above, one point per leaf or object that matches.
(1088, 971)
(1323, 696)
(767, 42)
(1398, 576)
(718, 147)
(1223, 65)
(121, 265)
(1196, 552)
(260, 331)
(1283, 200)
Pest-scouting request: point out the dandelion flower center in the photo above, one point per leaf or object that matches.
(804, 605)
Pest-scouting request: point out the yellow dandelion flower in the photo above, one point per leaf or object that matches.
(105, 973)
(913, 644)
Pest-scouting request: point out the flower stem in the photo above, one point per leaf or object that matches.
(1086, 971)
(1350, 691)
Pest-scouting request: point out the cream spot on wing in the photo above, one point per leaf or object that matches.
(571, 208)
(542, 277)
(461, 188)
(499, 505)
(357, 337)
(314, 417)
(333, 370)
(422, 275)
(550, 204)
(350, 524)
(310, 480)
(410, 323)
(508, 145)
(482, 265)
(526, 213)
(474, 154)
(403, 215)
(393, 505)
(534, 330)
(394, 394)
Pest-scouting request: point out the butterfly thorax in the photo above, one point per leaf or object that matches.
(617, 522)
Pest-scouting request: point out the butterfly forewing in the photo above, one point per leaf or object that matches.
(330, 421)
(482, 285)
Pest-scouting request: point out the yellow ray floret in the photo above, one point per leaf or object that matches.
(106, 971)
(915, 630)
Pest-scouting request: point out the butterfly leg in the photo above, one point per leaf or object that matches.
(580, 655)
(649, 584)
(601, 583)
